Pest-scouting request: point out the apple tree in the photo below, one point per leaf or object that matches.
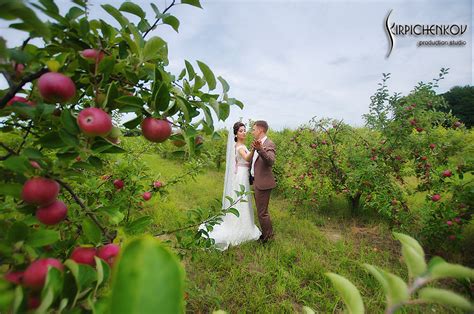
(67, 204)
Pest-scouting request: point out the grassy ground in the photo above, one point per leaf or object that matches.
(287, 274)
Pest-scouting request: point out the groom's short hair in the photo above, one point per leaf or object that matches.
(263, 124)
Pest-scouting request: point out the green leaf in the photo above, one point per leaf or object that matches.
(155, 8)
(133, 9)
(123, 21)
(42, 237)
(234, 211)
(155, 48)
(112, 94)
(11, 10)
(103, 272)
(102, 146)
(189, 67)
(172, 21)
(416, 263)
(162, 97)
(130, 100)
(225, 85)
(208, 75)
(68, 139)
(379, 276)
(106, 67)
(132, 124)
(349, 293)
(69, 122)
(308, 310)
(91, 231)
(147, 277)
(138, 225)
(84, 276)
(46, 300)
(445, 297)
(96, 162)
(224, 111)
(18, 299)
(195, 3)
(12, 189)
(115, 216)
(398, 289)
(409, 241)
(51, 140)
(17, 164)
(32, 153)
(447, 270)
(17, 232)
(52, 288)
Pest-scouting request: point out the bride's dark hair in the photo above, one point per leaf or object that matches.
(237, 126)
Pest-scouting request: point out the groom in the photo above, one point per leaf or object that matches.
(262, 177)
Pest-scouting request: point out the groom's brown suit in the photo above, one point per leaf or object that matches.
(263, 184)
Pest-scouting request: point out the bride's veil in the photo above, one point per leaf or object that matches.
(229, 170)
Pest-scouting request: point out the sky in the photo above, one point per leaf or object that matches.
(288, 61)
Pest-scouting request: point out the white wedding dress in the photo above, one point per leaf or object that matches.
(234, 230)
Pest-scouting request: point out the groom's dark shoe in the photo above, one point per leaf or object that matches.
(263, 240)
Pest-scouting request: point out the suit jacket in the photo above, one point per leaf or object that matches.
(264, 179)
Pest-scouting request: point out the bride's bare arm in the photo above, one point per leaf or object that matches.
(248, 156)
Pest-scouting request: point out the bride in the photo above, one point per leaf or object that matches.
(234, 230)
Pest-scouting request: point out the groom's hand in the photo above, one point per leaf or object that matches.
(257, 145)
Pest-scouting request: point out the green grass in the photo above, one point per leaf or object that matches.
(288, 273)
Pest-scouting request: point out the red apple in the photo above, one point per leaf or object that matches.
(457, 124)
(52, 214)
(92, 55)
(56, 87)
(449, 223)
(118, 184)
(40, 191)
(156, 130)
(14, 277)
(109, 252)
(432, 146)
(447, 173)
(413, 122)
(179, 143)
(313, 146)
(94, 122)
(105, 177)
(84, 255)
(419, 129)
(157, 184)
(35, 164)
(21, 99)
(424, 157)
(436, 197)
(198, 140)
(35, 275)
(457, 220)
(147, 196)
(324, 142)
(19, 68)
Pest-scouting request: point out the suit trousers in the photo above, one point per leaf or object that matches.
(262, 198)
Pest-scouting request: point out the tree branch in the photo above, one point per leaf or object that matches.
(8, 149)
(81, 204)
(199, 223)
(15, 89)
(158, 19)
